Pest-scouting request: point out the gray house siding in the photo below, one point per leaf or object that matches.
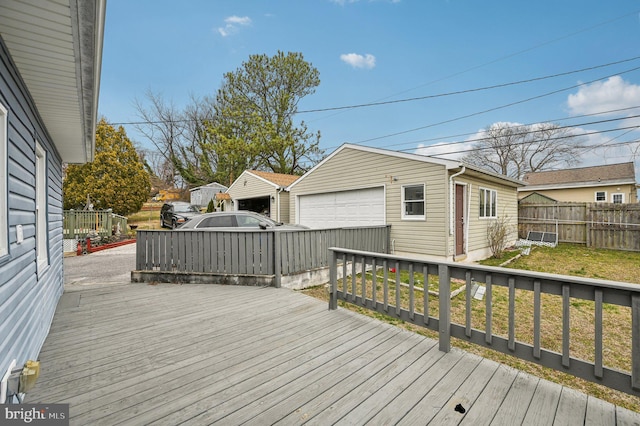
(28, 293)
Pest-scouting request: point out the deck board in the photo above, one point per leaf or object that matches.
(209, 354)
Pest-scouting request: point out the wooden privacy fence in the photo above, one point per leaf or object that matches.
(513, 316)
(206, 255)
(599, 225)
(78, 223)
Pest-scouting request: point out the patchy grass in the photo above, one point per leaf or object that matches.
(565, 259)
(147, 218)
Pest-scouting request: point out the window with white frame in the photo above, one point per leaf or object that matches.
(488, 203)
(617, 198)
(413, 202)
(42, 242)
(4, 211)
(601, 196)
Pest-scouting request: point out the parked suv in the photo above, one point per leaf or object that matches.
(174, 214)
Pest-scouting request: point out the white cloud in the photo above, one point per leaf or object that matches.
(612, 94)
(359, 61)
(232, 25)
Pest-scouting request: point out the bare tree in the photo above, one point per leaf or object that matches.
(514, 150)
(163, 125)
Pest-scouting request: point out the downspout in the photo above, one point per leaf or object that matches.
(452, 199)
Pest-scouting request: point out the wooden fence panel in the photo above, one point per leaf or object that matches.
(598, 225)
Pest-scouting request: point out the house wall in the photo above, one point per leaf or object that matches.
(507, 206)
(355, 169)
(285, 198)
(586, 194)
(249, 186)
(28, 293)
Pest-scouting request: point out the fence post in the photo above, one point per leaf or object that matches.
(444, 307)
(333, 280)
(109, 229)
(71, 223)
(277, 258)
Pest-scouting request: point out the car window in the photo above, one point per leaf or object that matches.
(249, 221)
(216, 222)
(183, 208)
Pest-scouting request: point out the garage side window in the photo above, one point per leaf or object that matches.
(4, 165)
(413, 202)
(488, 203)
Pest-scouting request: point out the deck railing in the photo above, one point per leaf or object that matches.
(78, 223)
(515, 315)
(250, 252)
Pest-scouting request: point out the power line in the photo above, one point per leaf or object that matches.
(460, 92)
(495, 108)
(440, 138)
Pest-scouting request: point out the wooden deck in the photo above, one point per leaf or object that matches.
(201, 354)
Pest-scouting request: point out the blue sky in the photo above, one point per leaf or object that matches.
(371, 51)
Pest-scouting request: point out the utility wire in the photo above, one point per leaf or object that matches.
(494, 108)
(441, 138)
(460, 92)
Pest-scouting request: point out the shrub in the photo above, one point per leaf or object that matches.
(497, 233)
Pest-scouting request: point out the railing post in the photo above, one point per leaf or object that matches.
(109, 215)
(444, 307)
(277, 258)
(635, 342)
(333, 280)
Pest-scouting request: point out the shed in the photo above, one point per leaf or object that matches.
(201, 195)
(262, 192)
(537, 198)
(436, 208)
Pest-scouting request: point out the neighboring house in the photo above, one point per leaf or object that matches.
(614, 183)
(201, 195)
(435, 207)
(262, 192)
(50, 56)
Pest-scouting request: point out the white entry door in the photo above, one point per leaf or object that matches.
(359, 207)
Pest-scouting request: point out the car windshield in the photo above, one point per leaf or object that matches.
(184, 208)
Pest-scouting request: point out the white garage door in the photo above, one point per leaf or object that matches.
(346, 208)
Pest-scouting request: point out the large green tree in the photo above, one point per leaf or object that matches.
(116, 179)
(254, 124)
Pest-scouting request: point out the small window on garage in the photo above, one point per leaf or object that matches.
(488, 203)
(413, 202)
(601, 196)
(617, 198)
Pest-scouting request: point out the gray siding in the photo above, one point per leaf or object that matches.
(28, 296)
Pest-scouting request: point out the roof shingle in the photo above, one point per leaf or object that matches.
(610, 172)
(279, 179)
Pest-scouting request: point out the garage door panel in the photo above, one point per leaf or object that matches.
(346, 208)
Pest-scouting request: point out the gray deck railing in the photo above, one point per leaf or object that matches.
(413, 305)
(250, 252)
